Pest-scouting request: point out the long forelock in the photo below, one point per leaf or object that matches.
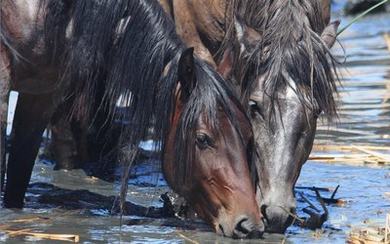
(291, 44)
(210, 95)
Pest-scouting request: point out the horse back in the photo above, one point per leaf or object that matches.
(22, 29)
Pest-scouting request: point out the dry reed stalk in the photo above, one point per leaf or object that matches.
(4, 226)
(387, 40)
(335, 156)
(371, 235)
(351, 154)
(187, 238)
(15, 232)
(375, 154)
(57, 237)
(26, 220)
(11, 231)
(321, 147)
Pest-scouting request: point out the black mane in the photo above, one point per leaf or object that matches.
(127, 45)
(291, 46)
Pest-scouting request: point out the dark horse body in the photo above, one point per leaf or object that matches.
(50, 48)
(276, 52)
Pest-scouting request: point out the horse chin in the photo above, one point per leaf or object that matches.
(231, 223)
(236, 219)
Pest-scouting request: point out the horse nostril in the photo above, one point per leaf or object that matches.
(221, 229)
(244, 226)
(263, 211)
(278, 218)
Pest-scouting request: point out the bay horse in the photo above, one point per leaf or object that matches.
(49, 48)
(277, 54)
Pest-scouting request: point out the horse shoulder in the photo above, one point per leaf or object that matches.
(209, 17)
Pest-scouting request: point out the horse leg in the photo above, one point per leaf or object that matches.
(63, 145)
(32, 115)
(4, 92)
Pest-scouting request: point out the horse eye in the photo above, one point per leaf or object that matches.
(317, 114)
(255, 108)
(253, 105)
(203, 141)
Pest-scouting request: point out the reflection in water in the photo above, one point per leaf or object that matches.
(364, 119)
(386, 99)
(364, 108)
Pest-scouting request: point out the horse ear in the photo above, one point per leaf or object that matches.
(225, 66)
(186, 72)
(325, 6)
(330, 33)
(239, 28)
(246, 36)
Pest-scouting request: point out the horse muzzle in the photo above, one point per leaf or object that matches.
(244, 227)
(277, 218)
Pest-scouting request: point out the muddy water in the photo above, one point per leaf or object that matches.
(364, 119)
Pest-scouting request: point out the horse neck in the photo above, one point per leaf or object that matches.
(19, 21)
(118, 52)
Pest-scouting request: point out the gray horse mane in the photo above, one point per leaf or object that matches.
(290, 47)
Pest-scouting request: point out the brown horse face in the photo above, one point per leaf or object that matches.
(217, 183)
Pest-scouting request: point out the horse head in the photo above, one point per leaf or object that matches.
(285, 72)
(207, 153)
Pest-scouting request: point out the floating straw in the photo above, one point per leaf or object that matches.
(57, 237)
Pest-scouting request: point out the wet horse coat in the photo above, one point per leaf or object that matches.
(232, 34)
(277, 54)
(54, 48)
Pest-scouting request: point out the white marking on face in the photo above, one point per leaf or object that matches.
(240, 35)
(31, 7)
(69, 29)
(291, 89)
